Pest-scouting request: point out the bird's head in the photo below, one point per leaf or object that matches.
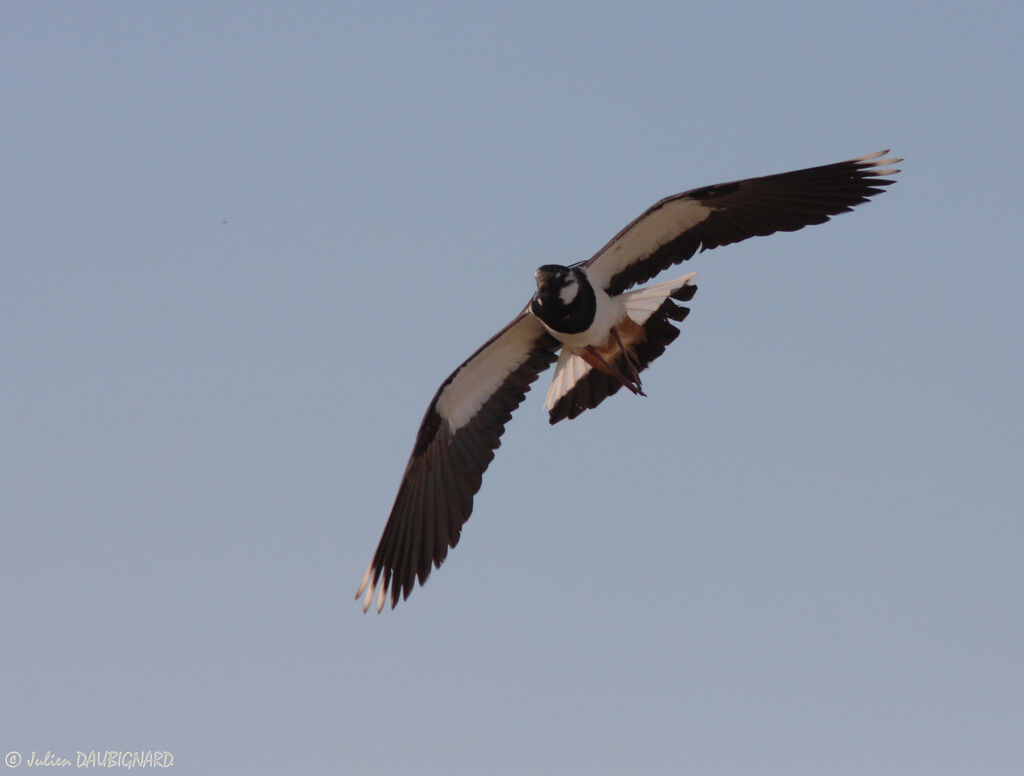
(556, 286)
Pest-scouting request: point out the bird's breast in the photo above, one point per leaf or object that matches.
(608, 311)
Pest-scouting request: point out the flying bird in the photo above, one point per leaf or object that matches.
(600, 335)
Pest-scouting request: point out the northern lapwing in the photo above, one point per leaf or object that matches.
(602, 336)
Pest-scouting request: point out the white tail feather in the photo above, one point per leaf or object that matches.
(643, 302)
(569, 370)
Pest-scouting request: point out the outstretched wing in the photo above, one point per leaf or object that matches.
(456, 442)
(674, 229)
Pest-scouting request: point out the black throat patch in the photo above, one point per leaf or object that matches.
(571, 318)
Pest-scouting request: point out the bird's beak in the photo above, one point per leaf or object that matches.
(541, 276)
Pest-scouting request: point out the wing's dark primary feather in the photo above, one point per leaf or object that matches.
(672, 230)
(456, 442)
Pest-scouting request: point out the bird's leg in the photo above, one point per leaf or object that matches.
(630, 364)
(592, 356)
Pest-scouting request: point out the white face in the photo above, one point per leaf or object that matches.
(569, 290)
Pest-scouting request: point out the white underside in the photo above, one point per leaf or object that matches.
(639, 305)
(482, 374)
(661, 223)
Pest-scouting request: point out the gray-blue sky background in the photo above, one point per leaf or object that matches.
(799, 555)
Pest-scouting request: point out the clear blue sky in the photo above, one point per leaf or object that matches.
(241, 245)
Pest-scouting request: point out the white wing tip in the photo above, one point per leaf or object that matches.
(371, 588)
(869, 157)
(366, 579)
(877, 164)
